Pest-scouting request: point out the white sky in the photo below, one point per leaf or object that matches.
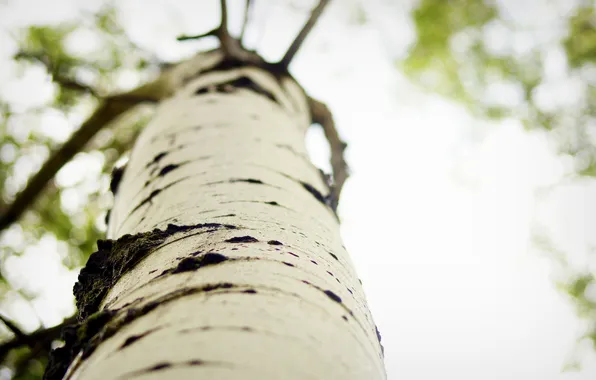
(439, 212)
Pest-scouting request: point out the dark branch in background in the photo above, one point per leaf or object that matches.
(245, 21)
(110, 109)
(41, 338)
(14, 328)
(322, 115)
(57, 77)
(293, 49)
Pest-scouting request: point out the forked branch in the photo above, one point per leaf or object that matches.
(233, 49)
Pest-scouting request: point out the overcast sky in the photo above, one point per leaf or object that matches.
(441, 208)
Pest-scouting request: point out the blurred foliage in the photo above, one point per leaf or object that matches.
(71, 212)
(541, 73)
(580, 44)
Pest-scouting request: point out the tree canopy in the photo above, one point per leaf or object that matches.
(539, 69)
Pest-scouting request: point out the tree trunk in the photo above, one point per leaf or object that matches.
(226, 260)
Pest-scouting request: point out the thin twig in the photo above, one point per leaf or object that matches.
(245, 21)
(322, 115)
(312, 20)
(57, 77)
(211, 33)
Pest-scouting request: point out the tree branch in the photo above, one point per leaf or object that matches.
(109, 110)
(39, 337)
(322, 115)
(310, 23)
(12, 327)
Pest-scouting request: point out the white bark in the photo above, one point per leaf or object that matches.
(291, 311)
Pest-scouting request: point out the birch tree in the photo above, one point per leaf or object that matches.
(223, 257)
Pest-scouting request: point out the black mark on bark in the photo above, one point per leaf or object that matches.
(191, 263)
(168, 168)
(248, 83)
(107, 219)
(332, 295)
(159, 366)
(117, 174)
(379, 338)
(224, 216)
(274, 242)
(232, 85)
(157, 158)
(155, 193)
(247, 180)
(133, 338)
(315, 193)
(242, 239)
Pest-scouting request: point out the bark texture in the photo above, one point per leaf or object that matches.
(226, 260)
